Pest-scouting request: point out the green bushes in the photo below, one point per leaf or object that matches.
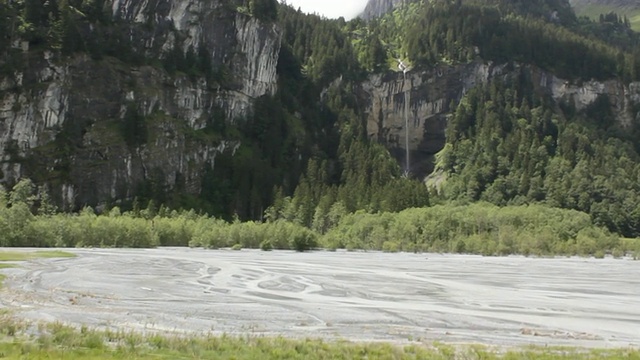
(236, 247)
(281, 235)
(19, 228)
(266, 245)
(390, 246)
(479, 229)
(175, 230)
(83, 230)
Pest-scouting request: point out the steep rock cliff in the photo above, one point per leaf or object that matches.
(377, 8)
(99, 130)
(430, 95)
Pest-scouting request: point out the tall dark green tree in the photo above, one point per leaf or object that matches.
(266, 10)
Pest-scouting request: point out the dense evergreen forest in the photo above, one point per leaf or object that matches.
(308, 170)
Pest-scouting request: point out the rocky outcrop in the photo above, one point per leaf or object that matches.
(99, 130)
(240, 44)
(377, 8)
(430, 95)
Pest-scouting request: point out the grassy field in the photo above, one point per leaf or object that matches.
(23, 256)
(594, 10)
(56, 341)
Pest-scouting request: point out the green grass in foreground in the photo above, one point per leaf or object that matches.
(22, 256)
(57, 341)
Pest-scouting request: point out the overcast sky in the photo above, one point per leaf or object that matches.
(330, 8)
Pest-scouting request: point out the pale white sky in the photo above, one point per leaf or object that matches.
(330, 8)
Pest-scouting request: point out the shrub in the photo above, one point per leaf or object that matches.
(390, 247)
(303, 240)
(479, 228)
(210, 233)
(460, 247)
(586, 244)
(176, 231)
(617, 253)
(266, 245)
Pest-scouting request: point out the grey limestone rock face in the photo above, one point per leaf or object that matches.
(377, 8)
(60, 119)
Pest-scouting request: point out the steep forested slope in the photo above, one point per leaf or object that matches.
(518, 138)
(596, 8)
(512, 141)
(508, 145)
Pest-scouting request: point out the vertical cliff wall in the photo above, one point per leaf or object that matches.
(377, 8)
(95, 130)
(432, 92)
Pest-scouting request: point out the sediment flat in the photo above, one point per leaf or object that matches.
(357, 296)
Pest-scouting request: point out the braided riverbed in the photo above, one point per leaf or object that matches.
(505, 301)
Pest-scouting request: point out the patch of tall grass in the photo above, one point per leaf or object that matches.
(57, 341)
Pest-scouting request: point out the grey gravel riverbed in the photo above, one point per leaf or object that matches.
(358, 296)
